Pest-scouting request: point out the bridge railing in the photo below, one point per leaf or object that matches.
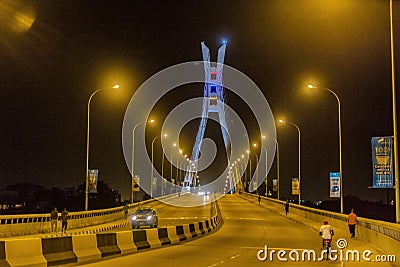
(29, 224)
(386, 235)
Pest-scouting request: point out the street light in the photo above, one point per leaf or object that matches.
(152, 164)
(248, 153)
(298, 130)
(340, 141)
(395, 141)
(133, 153)
(277, 160)
(115, 86)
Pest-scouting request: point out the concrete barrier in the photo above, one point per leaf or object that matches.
(72, 250)
(3, 261)
(172, 235)
(107, 244)
(31, 253)
(125, 242)
(140, 239)
(58, 251)
(85, 247)
(152, 238)
(163, 236)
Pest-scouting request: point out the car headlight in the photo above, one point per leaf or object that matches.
(149, 217)
(134, 218)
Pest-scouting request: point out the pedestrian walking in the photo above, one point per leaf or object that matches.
(126, 210)
(53, 220)
(259, 199)
(64, 220)
(352, 221)
(287, 207)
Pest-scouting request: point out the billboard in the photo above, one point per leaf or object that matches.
(93, 177)
(295, 186)
(382, 162)
(334, 188)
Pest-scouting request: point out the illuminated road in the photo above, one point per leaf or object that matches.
(169, 215)
(247, 228)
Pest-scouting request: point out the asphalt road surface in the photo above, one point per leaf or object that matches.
(247, 229)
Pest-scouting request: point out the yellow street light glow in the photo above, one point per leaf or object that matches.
(247, 151)
(310, 86)
(255, 145)
(281, 121)
(243, 156)
(116, 86)
(151, 121)
(165, 135)
(263, 137)
(174, 144)
(238, 159)
(180, 151)
(185, 155)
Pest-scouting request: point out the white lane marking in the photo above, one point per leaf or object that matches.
(226, 260)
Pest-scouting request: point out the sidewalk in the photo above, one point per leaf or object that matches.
(352, 243)
(80, 231)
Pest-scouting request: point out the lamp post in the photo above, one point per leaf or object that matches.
(116, 86)
(266, 167)
(152, 164)
(277, 165)
(298, 130)
(133, 154)
(395, 140)
(248, 153)
(340, 141)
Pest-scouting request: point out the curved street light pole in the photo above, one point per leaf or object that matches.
(298, 130)
(116, 86)
(395, 140)
(277, 164)
(152, 166)
(133, 158)
(340, 141)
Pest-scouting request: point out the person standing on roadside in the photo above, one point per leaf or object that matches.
(352, 221)
(64, 220)
(53, 220)
(287, 206)
(259, 199)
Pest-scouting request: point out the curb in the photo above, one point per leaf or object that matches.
(90, 246)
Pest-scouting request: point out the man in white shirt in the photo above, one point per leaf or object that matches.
(326, 232)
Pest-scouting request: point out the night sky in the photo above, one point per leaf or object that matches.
(54, 54)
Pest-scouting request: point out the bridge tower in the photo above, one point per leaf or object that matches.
(213, 102)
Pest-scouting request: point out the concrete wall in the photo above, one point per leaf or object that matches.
(383, 234)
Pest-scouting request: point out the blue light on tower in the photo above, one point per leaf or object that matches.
(224, 41)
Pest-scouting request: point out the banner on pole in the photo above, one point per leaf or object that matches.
(334, 178)
(93, 178)
(382, 162)
(275, 185)
(295, 186)
(136, 183)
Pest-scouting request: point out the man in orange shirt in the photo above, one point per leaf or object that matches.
(352, 221)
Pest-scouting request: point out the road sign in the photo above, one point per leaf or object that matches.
(334, 190)
(136, 183)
